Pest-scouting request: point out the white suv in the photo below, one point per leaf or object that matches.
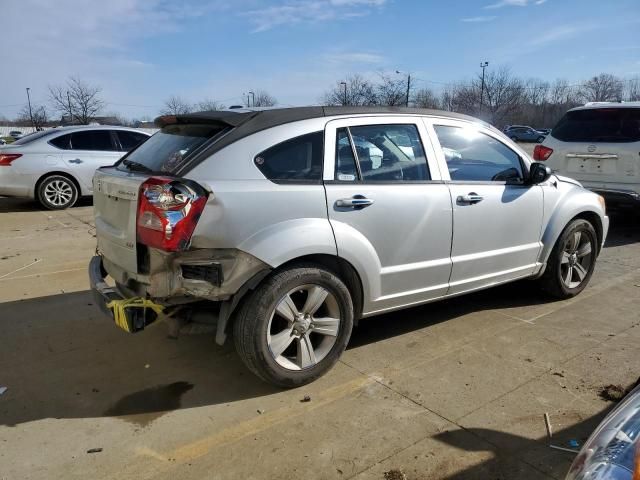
(599, 145)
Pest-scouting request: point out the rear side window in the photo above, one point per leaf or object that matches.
(92, 140)
(383, 153)
(63, 141)
(616, 125)
(130, 140)
(298, 160)
(168, 149)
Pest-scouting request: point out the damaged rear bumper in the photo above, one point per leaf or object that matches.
(102, 292)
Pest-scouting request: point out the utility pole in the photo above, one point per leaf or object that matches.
(253, 99)
(408, 87)
(483, 65)
(344, 97)
(30, 113)
(70, 111)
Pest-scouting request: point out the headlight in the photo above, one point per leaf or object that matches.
(610, 451)
(603, 204)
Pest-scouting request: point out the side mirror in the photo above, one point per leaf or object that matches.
(538, 173)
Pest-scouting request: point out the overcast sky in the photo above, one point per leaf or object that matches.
(142, 51)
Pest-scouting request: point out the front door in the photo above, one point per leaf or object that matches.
(389, 208)
(497, 218)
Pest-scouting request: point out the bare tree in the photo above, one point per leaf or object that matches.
(263, 99)
(355, 91)
(425, 98)
(208, 105)
(391, 91)
(602, 88)
(38, 113)
(176, 105)
(632, 90)
(77, 99)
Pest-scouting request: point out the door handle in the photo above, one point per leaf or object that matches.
(470, 198)
(355, 202)
(75, 160)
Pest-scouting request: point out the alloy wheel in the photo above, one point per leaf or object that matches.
(303, 327)
(58, 192)
(577, 256)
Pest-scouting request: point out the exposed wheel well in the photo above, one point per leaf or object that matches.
(343, 269)
(594, 219)
(62, 174)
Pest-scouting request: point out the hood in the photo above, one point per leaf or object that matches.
(568, 180)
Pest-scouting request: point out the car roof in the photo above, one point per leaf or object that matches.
(79, 128)
(597, 105)
(247, 121)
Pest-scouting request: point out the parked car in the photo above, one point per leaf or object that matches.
(524, 134)
(612, 452)
(2, 142)
(16, 134)
(598, 144)
(277, 226)
(56, 166)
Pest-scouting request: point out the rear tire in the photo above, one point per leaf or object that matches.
(57, 192)
(572, 260)
(294, 326)
(540, 139)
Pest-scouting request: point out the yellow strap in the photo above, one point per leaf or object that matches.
(118, 308)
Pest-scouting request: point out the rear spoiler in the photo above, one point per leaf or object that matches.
(222, 118)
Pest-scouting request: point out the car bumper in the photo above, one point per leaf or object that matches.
(103, 293)
(13, 184)
(618, 197)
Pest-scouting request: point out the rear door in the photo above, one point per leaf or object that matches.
(497, 218)
(388, 207)
(89, 150)
(600, 147)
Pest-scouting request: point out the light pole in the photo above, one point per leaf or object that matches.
(483, 65)
(30, 113)
(408, 86)
(344, 97)
(253, 99)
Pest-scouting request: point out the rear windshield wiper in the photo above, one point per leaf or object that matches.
(136, 166)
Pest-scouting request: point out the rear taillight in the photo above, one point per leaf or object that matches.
(168, 211)
(542, 153)
(7, 158)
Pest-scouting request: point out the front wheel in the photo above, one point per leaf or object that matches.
(57, 192)
(294, 327)
(571, 261)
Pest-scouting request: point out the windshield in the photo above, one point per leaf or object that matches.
(616, 125)
(167, 150)
(35, 136)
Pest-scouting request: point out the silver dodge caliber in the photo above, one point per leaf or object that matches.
(285, 227)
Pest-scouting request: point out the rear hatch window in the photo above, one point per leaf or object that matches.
(168, 149)
(614, 125)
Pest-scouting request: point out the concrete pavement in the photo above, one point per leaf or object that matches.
(452, 390)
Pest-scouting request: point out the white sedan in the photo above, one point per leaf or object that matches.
(56, 166)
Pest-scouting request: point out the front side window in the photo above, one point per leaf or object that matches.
(475, 156)
(298, 160)
(383, 153)
(92, 140)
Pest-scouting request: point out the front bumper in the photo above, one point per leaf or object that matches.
(618, 197)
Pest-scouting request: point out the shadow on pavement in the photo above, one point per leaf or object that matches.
(8, 205)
